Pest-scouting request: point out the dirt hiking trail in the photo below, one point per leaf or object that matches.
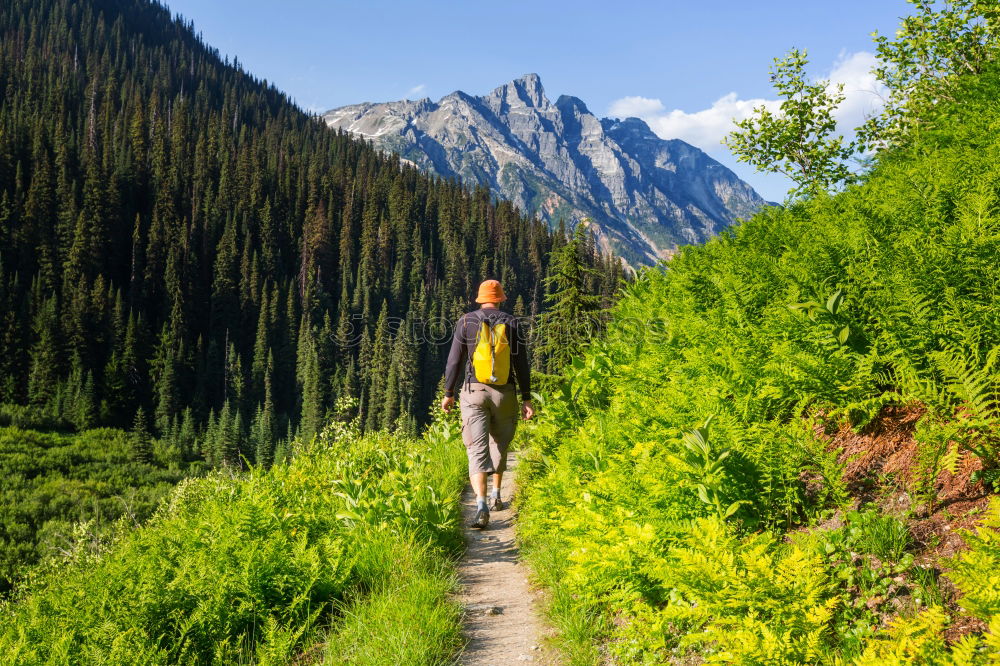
(502, 623)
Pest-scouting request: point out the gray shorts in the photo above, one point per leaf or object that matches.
(489, 418)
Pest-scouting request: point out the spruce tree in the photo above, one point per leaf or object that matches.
(84, 414)
(377, 373)
(210, 439)
(262, 436)
(45, 367)
(228, 431)
(569, 322)
(187, 436)
(142, 443)
(166, 389)
(310, 382)
(402, 384)
(233, 448)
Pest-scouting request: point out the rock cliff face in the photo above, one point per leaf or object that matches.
(642, 195)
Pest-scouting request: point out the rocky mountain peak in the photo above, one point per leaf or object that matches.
(641, 195)
(524, 91)
(574, 103)
(633, 125)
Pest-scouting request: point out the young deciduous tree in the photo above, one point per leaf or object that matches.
(921, 67)
(798, 140)
(932, 50)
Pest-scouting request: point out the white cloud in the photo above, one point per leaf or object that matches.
(706, 128)
(864, 93)
(635, 107)
(417, 89)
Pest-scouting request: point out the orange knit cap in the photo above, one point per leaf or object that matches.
(490, 291)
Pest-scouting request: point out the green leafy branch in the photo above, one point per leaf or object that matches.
(828, 313)
(706, 467)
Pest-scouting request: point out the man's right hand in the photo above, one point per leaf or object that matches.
(447, 403)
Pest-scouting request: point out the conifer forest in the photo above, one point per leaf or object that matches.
(186, 255)
(178, 237)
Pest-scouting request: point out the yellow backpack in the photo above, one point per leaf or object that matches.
(491, 360)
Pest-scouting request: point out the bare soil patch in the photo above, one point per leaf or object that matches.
(882, 466)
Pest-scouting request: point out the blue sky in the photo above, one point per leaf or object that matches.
(685, 67)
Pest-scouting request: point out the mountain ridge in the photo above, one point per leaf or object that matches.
(642, 195)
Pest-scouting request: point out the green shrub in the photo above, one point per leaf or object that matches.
(54, 481)
(247, 568)
(976, 571)
(919, 638)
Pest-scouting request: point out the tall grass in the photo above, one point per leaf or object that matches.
(295, 563)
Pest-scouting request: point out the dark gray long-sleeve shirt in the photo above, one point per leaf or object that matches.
(463, 346)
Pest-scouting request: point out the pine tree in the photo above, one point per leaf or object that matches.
(84, 413)
(210, 439)
(569, 322)
(166, 388)
(261, 349)
(377, 373)
(264, 429)
(227, 435)
(187, 435)
(233, 449)
(312, 410)
(402, 383)
(262, 434)
(235, 382)
(142, 445)
(14, 334)
(44, 355)
(519, 309)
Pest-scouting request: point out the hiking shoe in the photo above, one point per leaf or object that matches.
(495, 504)
(481, 520)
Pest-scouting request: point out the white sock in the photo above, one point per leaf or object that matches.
(496, 493)
(480, 502)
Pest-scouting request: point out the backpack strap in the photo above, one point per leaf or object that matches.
(491, 324)
(466, 341)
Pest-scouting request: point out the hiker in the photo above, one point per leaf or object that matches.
(488, 345)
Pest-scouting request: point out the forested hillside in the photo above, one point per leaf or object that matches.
(176, 235)
(785, 449)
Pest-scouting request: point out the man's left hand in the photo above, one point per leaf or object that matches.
(527, 410)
